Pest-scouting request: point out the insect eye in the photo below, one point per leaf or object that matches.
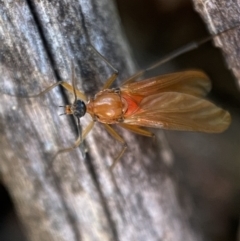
(80, 109)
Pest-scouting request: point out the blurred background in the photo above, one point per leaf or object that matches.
(206, 166)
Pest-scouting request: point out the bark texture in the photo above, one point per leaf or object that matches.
(219, 16)
(72, 198)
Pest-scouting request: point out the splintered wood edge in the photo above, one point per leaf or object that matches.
(219, 16)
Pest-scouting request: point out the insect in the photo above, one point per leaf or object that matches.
(173, 101)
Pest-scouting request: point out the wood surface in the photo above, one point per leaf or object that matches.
(220, 15)
(75, 198)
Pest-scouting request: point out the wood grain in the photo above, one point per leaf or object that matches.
(73, 198)
(219, 16)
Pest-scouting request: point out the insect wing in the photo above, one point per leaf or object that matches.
(191, 82)
(179, 111)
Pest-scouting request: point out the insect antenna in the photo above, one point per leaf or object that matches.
(64, 112)
(73, 82)
(77, 109)
(79, 127)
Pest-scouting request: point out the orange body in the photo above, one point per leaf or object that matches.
(174, 101)
(107, 106)
(110, 106)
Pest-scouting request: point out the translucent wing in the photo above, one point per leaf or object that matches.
(179, 111)
(190, 82)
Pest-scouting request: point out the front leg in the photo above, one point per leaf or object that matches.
(114, 134)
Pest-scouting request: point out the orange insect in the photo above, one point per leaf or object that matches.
(173, 101)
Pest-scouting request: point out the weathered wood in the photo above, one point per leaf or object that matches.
(220, 15)
(76, 199)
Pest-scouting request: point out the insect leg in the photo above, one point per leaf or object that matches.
(180, 51)
(44, 91)
(71, 90)
(64, 84)
(134, 77)
(114, 75)
(103, 58)
(114, 134)
(78, 141)
(109, 81)
(137, 130)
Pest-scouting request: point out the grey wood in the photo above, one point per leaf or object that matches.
(73, 198)
(220, 15)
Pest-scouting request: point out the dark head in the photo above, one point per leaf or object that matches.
(78, 109)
